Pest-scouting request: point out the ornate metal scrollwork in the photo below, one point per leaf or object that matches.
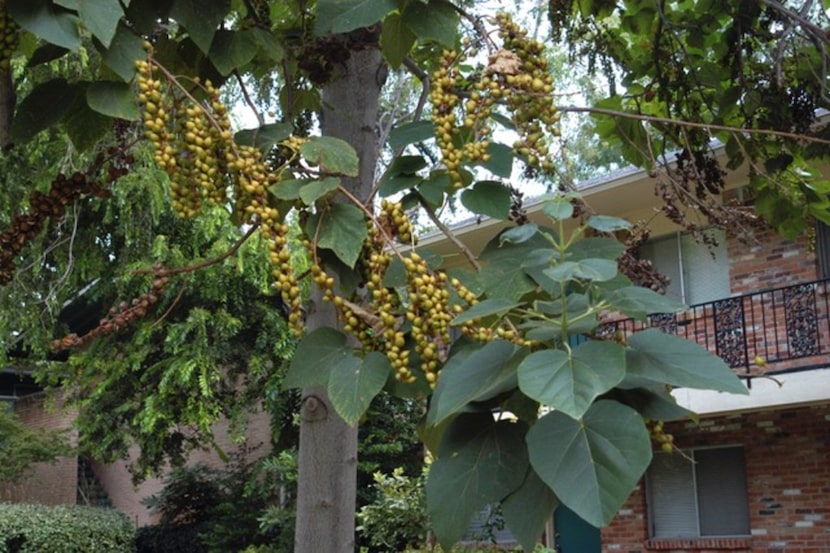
(802, 320)
(730, 339)
(667, 322)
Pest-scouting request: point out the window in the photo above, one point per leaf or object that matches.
(699, 494)
(695, 276)
(823, 249)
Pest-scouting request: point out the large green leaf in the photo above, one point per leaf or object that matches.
(528, 509)
(316, 357)
(264, 137)
(500, 162)
(558, 208)
(45, 53)
(287, 189)
(231, 50)
(638, 302)
(491, 306)
(333, 155)
(409, 133)
(47, 104)
(606, 223)
(126, 47)
(471, 377)
(570, 383)
(655, 402)
(269, 44)
(47, 21)
(352, 386)
(479, 462)
(668, 359)
(342, 16)
(114, 99)
(201, 19)
(593, 464)
(519, 234)
(313, 190)
(84, 126)
(436, 20)
(592, 269)
(396, 40)
(488, 198)
(502, 275)
(342, 229)
(100, 17)
(595, 247)
(392, 184)
(401, 175)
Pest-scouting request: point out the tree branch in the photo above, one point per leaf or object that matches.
(203, 264)
(450, 236)
(692, 124)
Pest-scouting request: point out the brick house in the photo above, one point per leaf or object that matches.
(755, 476)
(756, 473)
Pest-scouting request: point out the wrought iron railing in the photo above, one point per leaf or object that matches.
(775, 330)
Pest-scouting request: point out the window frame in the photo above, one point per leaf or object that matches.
(651, 507)
(822, 250)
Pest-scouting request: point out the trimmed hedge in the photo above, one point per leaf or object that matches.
(64, 529)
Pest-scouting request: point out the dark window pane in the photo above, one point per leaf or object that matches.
(721, 491)
(671, 497)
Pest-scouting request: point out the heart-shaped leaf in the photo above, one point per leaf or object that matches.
(570, 382)
(353, 385)
(480, 461)
(592, 464)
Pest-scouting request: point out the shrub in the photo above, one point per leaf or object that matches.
(164, 538)
(64, 529)
(397, 519)
(240, 508)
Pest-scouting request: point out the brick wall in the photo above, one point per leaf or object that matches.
(769, 262)
(49, 484)
(788, 479)
(126, 497)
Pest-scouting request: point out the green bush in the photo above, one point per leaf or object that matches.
(397, 519)
(243, 507)
(64, 529)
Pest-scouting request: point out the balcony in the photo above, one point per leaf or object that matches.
(774, 331)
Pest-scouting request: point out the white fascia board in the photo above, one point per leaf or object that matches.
(786, 390)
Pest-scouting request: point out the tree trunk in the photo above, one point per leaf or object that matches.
(7, 103)
(328, 446)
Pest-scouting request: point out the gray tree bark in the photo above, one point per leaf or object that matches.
(7, 103)
(327, 478)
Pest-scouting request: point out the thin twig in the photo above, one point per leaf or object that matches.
(422, 76)
(450, 236)
(389, 241)
(681, 123)
(203, 264)
(169, 309)
(248, 100)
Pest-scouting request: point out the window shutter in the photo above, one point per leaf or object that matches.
(721, 489)
(823, 249)
(672, 498)
(704, 278)
(665, 257)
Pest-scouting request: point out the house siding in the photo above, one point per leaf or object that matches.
(787, 455)
(769, 261)
(127, 497)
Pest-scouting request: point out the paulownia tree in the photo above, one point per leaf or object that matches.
(515, 330)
